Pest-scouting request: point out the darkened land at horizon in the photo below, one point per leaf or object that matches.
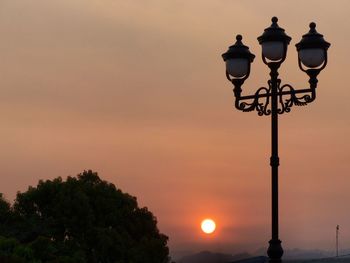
(81, 220)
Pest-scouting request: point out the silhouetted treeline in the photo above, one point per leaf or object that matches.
(80, 220)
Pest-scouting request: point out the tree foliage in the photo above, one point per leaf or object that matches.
(80, 220)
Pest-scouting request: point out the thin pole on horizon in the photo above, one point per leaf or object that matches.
(312, 58)
(337, 240)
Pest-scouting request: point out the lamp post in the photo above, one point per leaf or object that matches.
(276, 98)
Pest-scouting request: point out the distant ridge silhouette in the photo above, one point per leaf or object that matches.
(260, 259)
(210, 257)
(295, 255)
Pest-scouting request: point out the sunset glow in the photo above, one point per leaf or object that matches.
(137, 91)
(208, 226)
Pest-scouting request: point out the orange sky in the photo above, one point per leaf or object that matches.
(136, 91)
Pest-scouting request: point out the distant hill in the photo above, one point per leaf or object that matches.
(320, 260)
(298, 253)
(290, 256)
(209, 257)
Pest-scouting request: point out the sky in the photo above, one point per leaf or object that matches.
(136, 91)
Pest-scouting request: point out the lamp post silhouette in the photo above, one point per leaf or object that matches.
(276, 98)
(337, 240)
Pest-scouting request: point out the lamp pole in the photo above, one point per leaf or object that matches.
(276, 99)
(275, 248)
(337, 240)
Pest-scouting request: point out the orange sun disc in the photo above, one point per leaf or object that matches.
(208, 226)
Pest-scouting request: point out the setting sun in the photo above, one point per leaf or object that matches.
(208, 226)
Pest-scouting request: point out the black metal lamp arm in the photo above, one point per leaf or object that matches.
(287, 96)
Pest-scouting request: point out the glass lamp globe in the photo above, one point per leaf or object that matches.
(312, 57)
(237, 60)
(237, 67)
(274, 42)
(312, 48)
(273, 50)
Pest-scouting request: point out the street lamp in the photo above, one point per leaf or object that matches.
(312, 58)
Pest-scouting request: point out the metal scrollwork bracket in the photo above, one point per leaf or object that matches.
(287, 97)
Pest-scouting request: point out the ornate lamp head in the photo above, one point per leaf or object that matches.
(274, 42)
(238, 59)
(312, 50)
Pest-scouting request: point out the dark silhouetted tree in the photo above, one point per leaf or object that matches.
(80, 220)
